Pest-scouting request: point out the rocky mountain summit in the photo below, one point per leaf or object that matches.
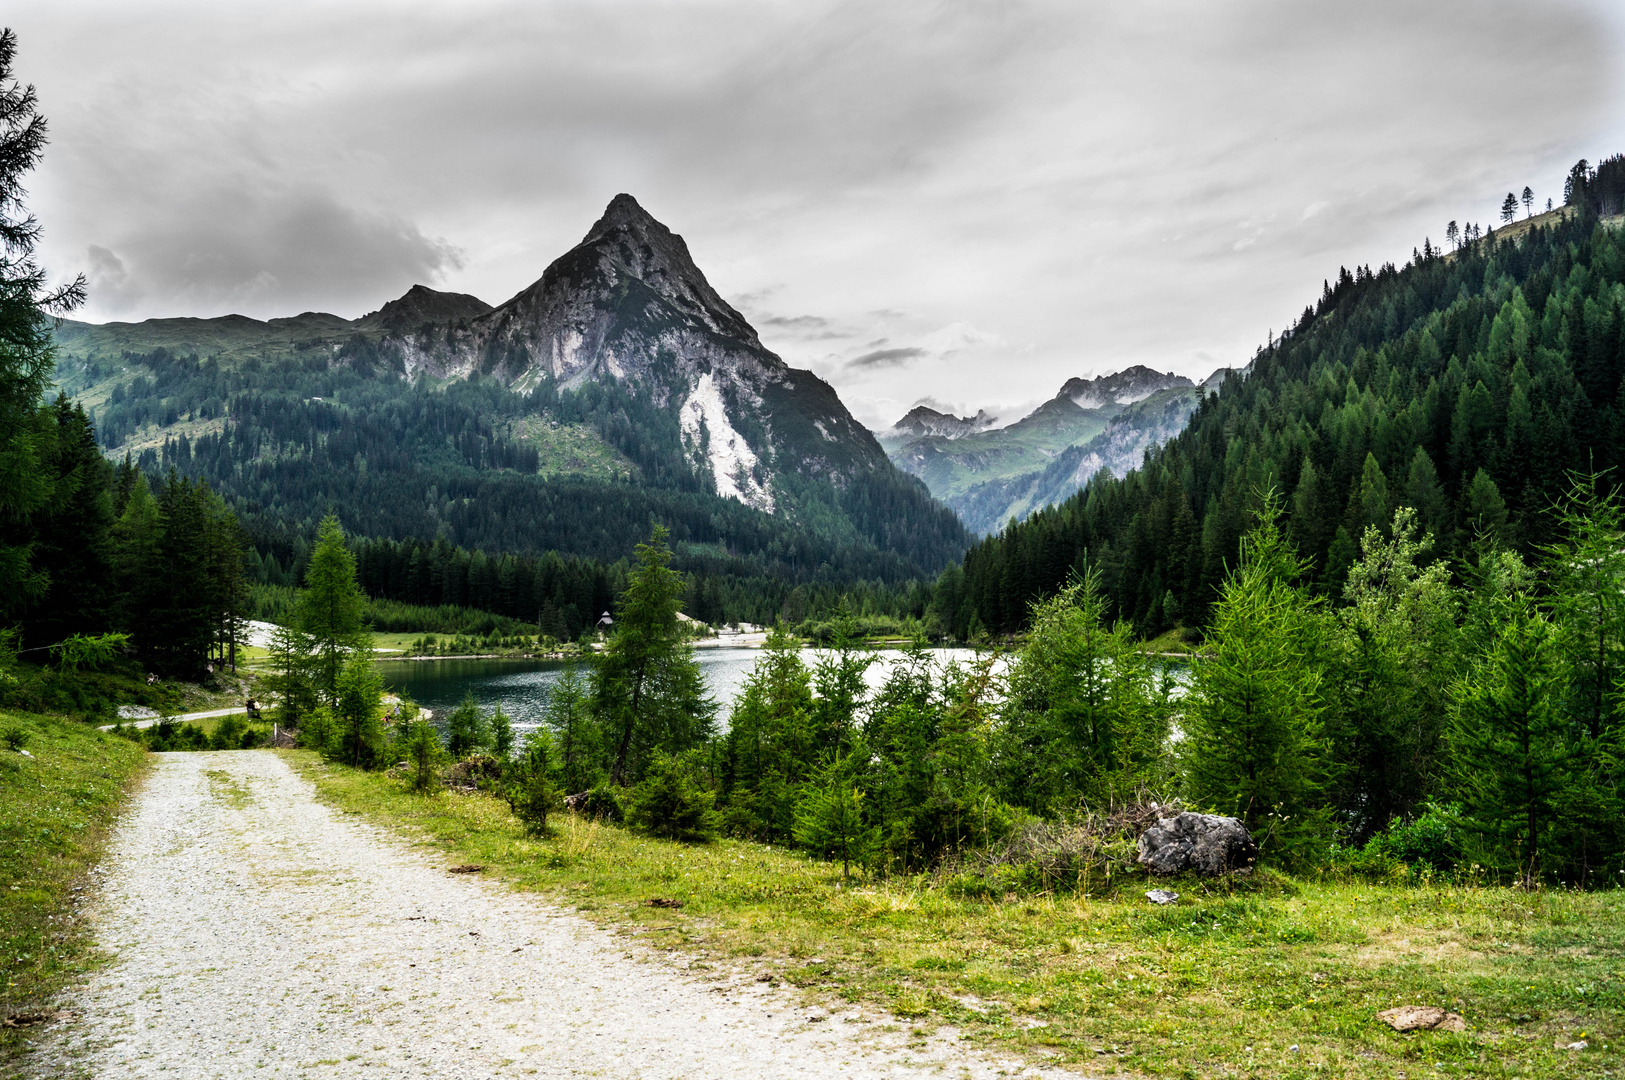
(1119, 388)
(922, 420)
(628, 305)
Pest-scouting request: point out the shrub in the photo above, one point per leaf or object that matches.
(15, 736)
(601, 803)
(1431, 839)
(424, 753)
(228, 734)
(669, 803)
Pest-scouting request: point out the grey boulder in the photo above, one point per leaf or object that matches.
(1206, 843)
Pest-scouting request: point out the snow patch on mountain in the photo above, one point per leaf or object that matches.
(707, 435)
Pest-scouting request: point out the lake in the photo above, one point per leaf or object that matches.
(521, 686)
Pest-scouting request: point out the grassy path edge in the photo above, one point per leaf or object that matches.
(1281, 985)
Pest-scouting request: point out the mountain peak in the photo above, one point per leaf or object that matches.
(421, 305)
(1119, 388)
(922, 420)
(623, 211)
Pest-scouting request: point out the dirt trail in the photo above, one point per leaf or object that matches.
(259, 933)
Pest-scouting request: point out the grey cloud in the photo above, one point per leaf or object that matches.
(795, 322)
(881, 358)
(1096, 184)
(283, 252)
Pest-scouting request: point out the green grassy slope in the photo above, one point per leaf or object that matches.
(57, 803)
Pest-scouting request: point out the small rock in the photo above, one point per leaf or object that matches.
(665, 902)
(1581, 1045)
(1422, 1018)
(1161, 896)
(1207, 843)
(25, 753)
(1293, 1048)
(467, 868)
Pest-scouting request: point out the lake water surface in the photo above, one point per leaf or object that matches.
(521, 686)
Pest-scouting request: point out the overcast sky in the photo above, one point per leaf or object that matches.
(961, 203)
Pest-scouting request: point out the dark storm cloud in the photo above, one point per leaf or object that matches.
(885, 358)
(238, 249)
(1018, 192)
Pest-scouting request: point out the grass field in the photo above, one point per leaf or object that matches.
(1280, 978)
(57, 803)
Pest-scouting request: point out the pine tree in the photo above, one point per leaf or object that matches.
(770, 743)
(359, 711)
(468, 731)
(830, 820)
(1509, 207)
(27, 355)
(1528, 201)
(647, 691)
(1393, 654)
(1254, 744)
(330, 607)
(1510, 753)
(530, 791)
(566, 719)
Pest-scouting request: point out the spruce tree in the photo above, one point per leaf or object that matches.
(359, 711)
(27, 355)
(1254, 743)
(830, 819)
(1509, 742)
(647, 691)
(771, 743)
(331, 605)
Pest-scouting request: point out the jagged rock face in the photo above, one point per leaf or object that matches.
(1206, 843)
(921, 421)
(629, 304)
(1120, 388)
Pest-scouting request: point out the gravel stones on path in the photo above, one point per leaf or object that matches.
(259, 933)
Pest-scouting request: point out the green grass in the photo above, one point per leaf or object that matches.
(1223, 983)
(572, 450)
(55, 811)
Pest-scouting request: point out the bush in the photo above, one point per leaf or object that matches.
(669, 803)
(228, 734)
(602, 803)
(1430, 840)
(423, 752)
(15, 736)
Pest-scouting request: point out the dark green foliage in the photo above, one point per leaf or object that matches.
(529, 790)
(670, 802)
(29, 434)
(647, 693)
(1465, 387)
(830, 820)
(358, 711)
(1254, 740)
(772, 743)
(468, 730)
(329, 609)
(1391, 662)
(421, 745)
(575, 737)
(501, 734)
(1511, 748)
(1085, 717)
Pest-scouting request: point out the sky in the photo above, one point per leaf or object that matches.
(960, 204)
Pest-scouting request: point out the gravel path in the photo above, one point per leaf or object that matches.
(259, 933)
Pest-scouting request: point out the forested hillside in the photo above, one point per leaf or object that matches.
(1467, 384)
(617, 390)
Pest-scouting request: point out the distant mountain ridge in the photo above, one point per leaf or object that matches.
(988, 476)
(922, 420)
